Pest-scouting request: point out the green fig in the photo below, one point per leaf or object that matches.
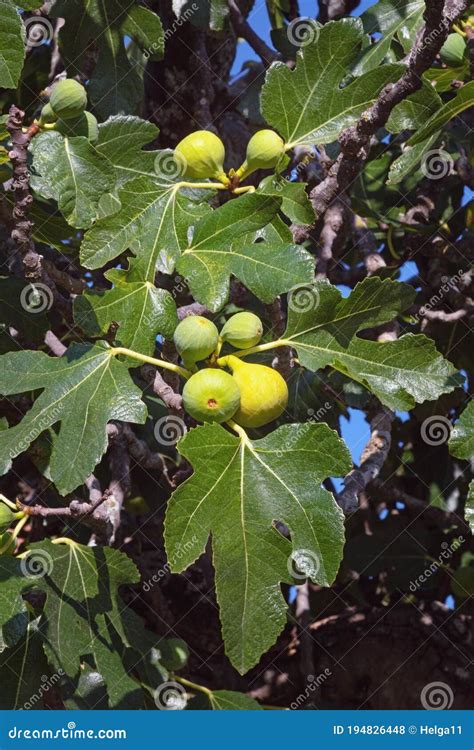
(263, 392)
(68, 99)
(243, 330)
(195, 338)
(211, 396)
(201, 155)
(174, 653)
(47, 116)
(453, 51)
(85, 125)
(264, 151)
(8, 516)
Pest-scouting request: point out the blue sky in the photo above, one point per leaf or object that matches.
(258, 19)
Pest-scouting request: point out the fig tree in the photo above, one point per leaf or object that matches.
(263, 392)
(242, 330)
(195, 338)
(453, 50)
(264, 151)
(211, 395)
(68, 99)
(201, 155)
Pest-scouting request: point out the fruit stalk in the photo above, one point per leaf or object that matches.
(115, 351)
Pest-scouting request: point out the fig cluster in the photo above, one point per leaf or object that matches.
(250, 394)
(66, 111)
(201, 156)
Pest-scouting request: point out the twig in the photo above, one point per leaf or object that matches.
(20, 186)
(21, 234)
(372, 460)
(244, 30)
(56, 346)
(171, 399)
(194, 309)
(355, 140)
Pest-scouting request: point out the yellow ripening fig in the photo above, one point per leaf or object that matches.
(264, 151)
(68, 99)
(211, 395)
(195, 338)
(263, 392)
(242, 330)
(201, 156)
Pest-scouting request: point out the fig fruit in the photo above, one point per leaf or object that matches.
(174, 653)
(453, 50)
(201, 155)
(211, 396)
(242, 330)
(47, 116)
(263, 392)
(264, 151)
(68, 99)
(195, 338)
(8, 516)
(85, 125)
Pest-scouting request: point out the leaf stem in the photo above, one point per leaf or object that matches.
(244, 189)
(186, 374)
(194, 686)
(202, 185)
(65, 540)
(255, 349)
(8, 502)
(14, 534)
(239, 430)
